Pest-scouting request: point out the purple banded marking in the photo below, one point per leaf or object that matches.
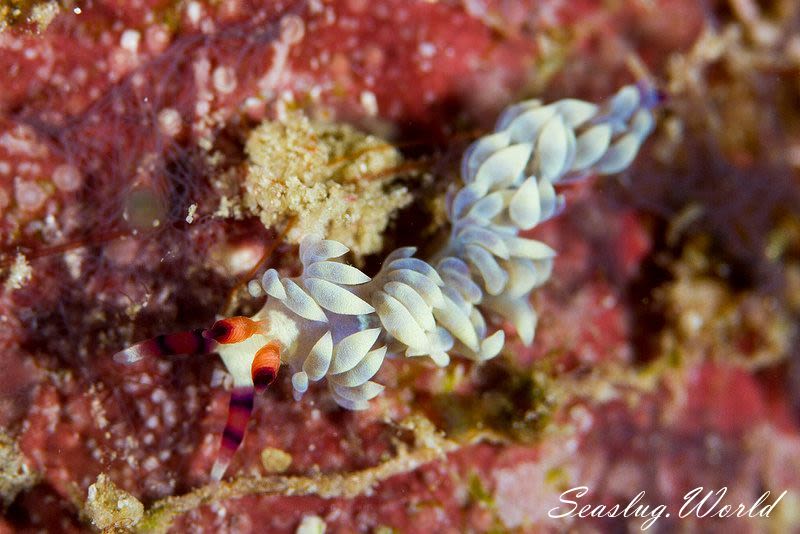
(263, 378)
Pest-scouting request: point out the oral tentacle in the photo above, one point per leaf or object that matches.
(188, 342)
(234, 329)
(265, 366)
(240, 407)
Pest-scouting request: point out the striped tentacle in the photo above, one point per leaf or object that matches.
(188, 342)
(265, 366)
(240, 407)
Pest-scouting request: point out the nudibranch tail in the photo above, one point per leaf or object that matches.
(652, 96)
(189, 342)
(240, 407)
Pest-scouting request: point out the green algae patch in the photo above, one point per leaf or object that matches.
(509, 404)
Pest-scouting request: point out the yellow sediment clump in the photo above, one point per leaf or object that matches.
(15, 475)
(41, 14)
(110, 508)
(311, 524)
(275, 460)
(19, 274)
(328, 179)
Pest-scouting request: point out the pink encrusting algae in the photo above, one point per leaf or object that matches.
(132, 151)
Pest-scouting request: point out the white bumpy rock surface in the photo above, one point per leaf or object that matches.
(346, 323)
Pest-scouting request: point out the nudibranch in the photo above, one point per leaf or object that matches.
(336, 323)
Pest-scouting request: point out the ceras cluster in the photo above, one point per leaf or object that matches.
(335, 322)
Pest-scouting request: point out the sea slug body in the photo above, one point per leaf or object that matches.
(336, 323)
